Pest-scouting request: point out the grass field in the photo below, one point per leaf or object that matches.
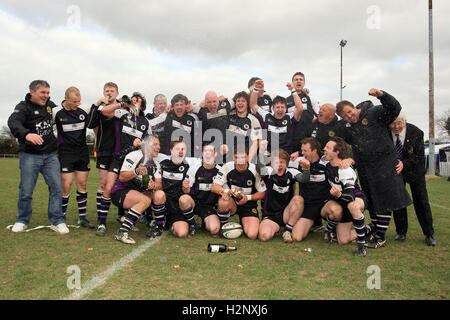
(34, 264)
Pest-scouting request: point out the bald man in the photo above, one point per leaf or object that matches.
(215, 120)
(408, 142)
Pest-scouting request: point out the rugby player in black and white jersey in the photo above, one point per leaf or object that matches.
(71, 123)
(201, 174)
(180, 123)
(315, 193)
(280, 207)
(214, 116)
(278, 123)
(130, 192)
(310, 106)
(159, 108)
(239, 179)
(243, 127)
(104, 139)
(176, 184)
(264, 100)
(346, 206)
(131, 126)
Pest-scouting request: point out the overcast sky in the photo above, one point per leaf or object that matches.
(194, 46)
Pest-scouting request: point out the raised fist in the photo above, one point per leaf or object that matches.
(375, 93)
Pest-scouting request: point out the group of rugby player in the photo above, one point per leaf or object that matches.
(217, 159)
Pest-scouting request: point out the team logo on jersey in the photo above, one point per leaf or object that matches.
(411, 150)
(246, 126)
(365, 121)
(266, 101)
(304, 99)
(143, 127)
(331, 133)
(82, 117)
(223, 104)
(181, 168)
(249, 182)
(189, 123)
(254, 211)
(49, 110)
(284, 122)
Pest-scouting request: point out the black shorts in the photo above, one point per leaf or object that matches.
(311, 211)
(173, 211)
(278, 219)
(247, 211)
(118, 197)
(71, 162)
(104, 162)
(346, 215)
(204, 211)
(115, 165)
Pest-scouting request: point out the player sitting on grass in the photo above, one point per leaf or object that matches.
(345, 207)
(201, 175)
(175, 180)
(139, 182)
(280, 207)
(240, 187)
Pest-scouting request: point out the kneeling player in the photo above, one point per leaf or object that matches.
(240, 187)
(201, 175)
(180, 205)
(280, 207)
(132, 191)
(345, 207)
(315, 192)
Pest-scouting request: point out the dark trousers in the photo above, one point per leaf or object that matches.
(421, 206)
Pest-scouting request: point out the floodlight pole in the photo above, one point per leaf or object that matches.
(431, 161)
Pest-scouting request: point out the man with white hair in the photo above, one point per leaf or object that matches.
(408, 141)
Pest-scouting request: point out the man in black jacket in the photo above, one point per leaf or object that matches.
(375, 157)
(408, 142)
(32, 124)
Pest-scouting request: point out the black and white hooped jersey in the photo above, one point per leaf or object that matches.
(200, 180)
(248, 182)
(128, 127)
(280, 190)
(248, 126)
(345, 179)
(156, 123)
(281, 129)
(130, 163)
(317, 190)
(309, 104)
(265, 103)
(187, 122)
(71, 126)
(173, 175)
(218, 120)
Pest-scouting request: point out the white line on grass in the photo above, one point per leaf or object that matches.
(438, 205)
(100, 279)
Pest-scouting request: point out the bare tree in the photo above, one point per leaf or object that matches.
(443, 124)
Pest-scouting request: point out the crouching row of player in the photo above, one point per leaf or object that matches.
(177, 188)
